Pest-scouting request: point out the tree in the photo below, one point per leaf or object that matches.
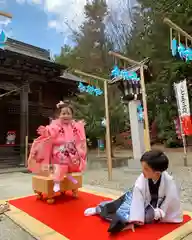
(144, 35)
(150, 38)
(90, 55)
(91, 48)
(66, 56)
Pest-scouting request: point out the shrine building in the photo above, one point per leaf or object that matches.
(30, 86)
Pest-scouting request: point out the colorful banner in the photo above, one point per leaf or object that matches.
(183, 107)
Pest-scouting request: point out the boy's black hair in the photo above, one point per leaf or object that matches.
(156, 160)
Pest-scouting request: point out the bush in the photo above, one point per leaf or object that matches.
(173, 143)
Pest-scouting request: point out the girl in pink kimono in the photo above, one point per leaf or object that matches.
(61, 144)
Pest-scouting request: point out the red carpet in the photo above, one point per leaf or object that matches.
(66, 217)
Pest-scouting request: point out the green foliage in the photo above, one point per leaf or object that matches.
(144, 36)
(91, 109)
(150, 38)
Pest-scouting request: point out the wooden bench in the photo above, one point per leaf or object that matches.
(43, 186)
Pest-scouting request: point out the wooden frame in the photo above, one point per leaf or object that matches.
(142, 65)
(108, 134)
(177, 28)
(5, 14)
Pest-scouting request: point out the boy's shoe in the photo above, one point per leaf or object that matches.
(4, 208)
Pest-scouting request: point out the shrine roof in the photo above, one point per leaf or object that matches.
(71, 77)
(27, 49)
(29, 54)
(15, 48)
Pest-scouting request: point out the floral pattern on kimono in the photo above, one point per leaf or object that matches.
(62, 146)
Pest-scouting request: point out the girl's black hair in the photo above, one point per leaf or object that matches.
(156, 160)
(66, 104)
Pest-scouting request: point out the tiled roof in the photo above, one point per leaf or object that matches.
(36, 52)
(27, 49)
(72, 77)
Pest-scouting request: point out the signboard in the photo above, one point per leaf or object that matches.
(182, 98)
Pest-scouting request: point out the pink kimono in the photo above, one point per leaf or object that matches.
(61, 145)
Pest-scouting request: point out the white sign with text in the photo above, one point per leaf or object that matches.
(182, 98)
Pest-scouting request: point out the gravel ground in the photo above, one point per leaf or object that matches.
(10, 231)
(123, 178)
(19, 184)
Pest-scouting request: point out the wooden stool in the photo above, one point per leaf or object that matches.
(43, 185)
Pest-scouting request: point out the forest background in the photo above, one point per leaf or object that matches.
(137, 31)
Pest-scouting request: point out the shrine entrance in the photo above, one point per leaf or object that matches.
(30, 86)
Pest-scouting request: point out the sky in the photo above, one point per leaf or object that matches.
(43, 23)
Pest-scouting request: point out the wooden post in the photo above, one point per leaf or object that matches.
(181, 128)
(108, 138)
(23, 122)
(4, 14)
(26, 151)
(171, 37)
(147, 134)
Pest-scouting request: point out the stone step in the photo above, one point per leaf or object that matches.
(10, 161)
(98, 163)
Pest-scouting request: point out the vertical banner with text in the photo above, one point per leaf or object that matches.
(183, 107)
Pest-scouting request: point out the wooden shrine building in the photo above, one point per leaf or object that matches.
(30, 86)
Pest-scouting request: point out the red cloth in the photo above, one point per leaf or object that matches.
(66, 216)
(187, 125)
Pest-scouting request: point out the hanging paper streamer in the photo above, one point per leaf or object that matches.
(3, 39)
(140, 113)
(174, 47)
(103, 122)
(185, 53)
(90, 89)
(124, 74)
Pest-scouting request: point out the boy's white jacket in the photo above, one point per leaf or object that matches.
(141, 198)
